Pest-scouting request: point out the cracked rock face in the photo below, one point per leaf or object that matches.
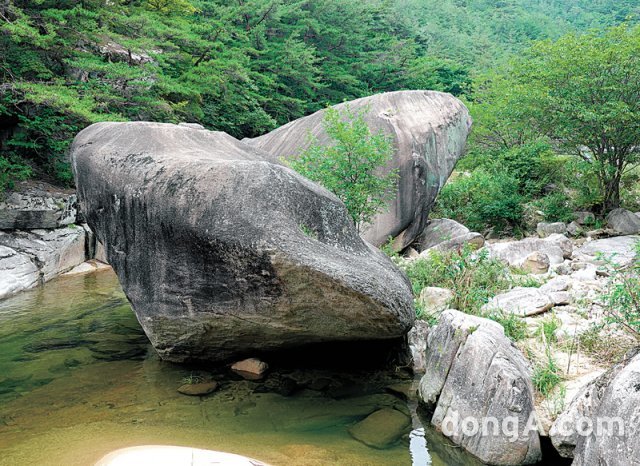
(429, 130)
(475, 372)
(223, 253)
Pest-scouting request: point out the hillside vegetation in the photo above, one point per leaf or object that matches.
(243, 67)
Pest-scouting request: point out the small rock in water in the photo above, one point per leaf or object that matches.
(198, 389)
(250, 369)
(381, 429)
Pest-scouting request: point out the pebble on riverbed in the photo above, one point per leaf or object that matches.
(198, 389)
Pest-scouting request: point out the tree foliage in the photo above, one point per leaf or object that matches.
(352, 165)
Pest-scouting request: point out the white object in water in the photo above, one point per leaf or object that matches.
(160, 455)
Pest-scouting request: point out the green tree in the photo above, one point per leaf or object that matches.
(583, 93)
(352, 165)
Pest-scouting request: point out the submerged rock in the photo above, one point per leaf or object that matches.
(222, 253)
(429, 130)
(475, 372)
(381, 429)
(198, 389)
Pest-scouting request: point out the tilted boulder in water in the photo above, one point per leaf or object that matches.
(475, 374)
(223, 253)
(429, 130)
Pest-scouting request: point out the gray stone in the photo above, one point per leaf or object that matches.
(198, 389)
(547, 229)
(434, 300)
(28, 259)
(536, 263)
(222, 253)
(574, 229)
(556, 247)
(520, 301)
(417, 339)
(615, 394)
(429, 130)
(474, 371)
(37, 209)
(445, 234)
(584, 218)
(623, 222)
(382, 428)
(619, 249)
(250, 369)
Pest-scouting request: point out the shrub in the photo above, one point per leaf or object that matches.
(622, 298)
(546, 376)
(482, 200)
(11, 170)
(349, 166)
(474, 277)
(514, 326)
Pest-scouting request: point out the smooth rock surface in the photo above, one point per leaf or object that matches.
(160, 455)
(619, 249)
(521, 301)
(545, 230)
(474, 371)
(623, 222)
(417, 339)
(212, 245)
(536, 263)
(198, 389)
(556, 247)
(444, 234)
(435, 300)
(28, 259)
(382, 428)
(429, 130)
(617, 396)
(250, 369)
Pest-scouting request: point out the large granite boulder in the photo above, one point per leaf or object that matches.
(618, 249)
(615, 417)
(429, 130)
(474, 372)
(222, 253)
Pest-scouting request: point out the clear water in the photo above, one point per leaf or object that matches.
(79, 379)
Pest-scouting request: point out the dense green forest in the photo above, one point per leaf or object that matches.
(246, 66)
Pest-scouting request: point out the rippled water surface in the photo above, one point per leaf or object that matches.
(78, 379)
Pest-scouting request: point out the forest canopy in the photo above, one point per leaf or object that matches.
(247, 66)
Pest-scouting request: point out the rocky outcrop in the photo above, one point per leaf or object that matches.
(475, 372)
(515, 253)
(429, 130)
(37, 208)
(28, 259)
(616, 396)
(623, 222)
(223, 253)
(444, 234)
